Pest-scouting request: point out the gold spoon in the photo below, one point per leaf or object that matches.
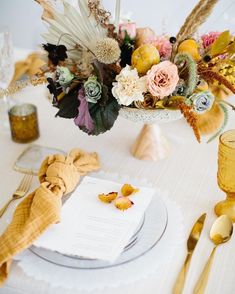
(221, 232)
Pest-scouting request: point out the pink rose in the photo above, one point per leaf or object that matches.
(209, 39)
(129, 27)
(164, 46)
(162, 79)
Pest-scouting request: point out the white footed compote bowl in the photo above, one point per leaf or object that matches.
(150, 144)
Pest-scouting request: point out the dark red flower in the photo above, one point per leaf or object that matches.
(55, 53)
(55, 89)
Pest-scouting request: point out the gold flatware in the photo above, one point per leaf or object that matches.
(20, 192)
(221, 232)
(191, 244)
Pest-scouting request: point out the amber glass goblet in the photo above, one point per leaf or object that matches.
(226, 174)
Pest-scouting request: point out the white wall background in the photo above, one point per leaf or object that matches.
(23, 17)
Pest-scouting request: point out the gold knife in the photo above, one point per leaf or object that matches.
(191, 244)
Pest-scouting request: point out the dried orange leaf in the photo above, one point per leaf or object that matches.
(221, 43)
(123, 203)
(128, 190)
(231, 48)
(107, 198)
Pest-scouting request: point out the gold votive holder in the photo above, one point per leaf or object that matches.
(226, 174)
(24, 123)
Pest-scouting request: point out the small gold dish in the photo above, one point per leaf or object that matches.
(23, 123)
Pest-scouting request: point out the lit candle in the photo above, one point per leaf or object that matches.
(117, 15)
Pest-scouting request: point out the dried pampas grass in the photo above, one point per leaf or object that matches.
(196, 18)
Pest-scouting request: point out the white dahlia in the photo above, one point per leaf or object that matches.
(129, 86)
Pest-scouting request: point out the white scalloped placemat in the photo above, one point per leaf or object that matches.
(147, 264)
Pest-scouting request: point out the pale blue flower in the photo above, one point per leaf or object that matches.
(93, 89)
(202, 101)
(64, 75)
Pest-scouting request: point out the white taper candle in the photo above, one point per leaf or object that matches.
(117, 14)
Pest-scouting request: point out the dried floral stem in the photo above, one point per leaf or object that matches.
(196, 18)
(210, 75)
(102, 16)
(61, 36)
(191, 118)
(20, 85)
(72, 86)
(48, 11)
(227, 103)
(191, 67)
(225, 122)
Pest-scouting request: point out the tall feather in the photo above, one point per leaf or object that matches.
(196, 18)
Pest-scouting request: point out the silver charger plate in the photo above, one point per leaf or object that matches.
(154, 226)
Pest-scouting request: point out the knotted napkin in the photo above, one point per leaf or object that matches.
(58, 176)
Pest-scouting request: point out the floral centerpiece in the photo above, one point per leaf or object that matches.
(96, 67)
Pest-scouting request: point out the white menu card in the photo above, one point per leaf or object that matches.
(91, 228)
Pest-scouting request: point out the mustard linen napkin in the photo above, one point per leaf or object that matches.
(58, 176)
(30, 66)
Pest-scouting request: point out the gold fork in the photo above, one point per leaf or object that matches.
(20, 192)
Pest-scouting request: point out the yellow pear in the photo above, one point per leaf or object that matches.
(191, 47)
(144, 57)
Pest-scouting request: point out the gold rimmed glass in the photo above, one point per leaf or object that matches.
(226, 174)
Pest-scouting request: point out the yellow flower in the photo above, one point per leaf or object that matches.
(228, 71)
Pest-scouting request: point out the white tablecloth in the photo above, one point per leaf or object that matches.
(189, 174)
